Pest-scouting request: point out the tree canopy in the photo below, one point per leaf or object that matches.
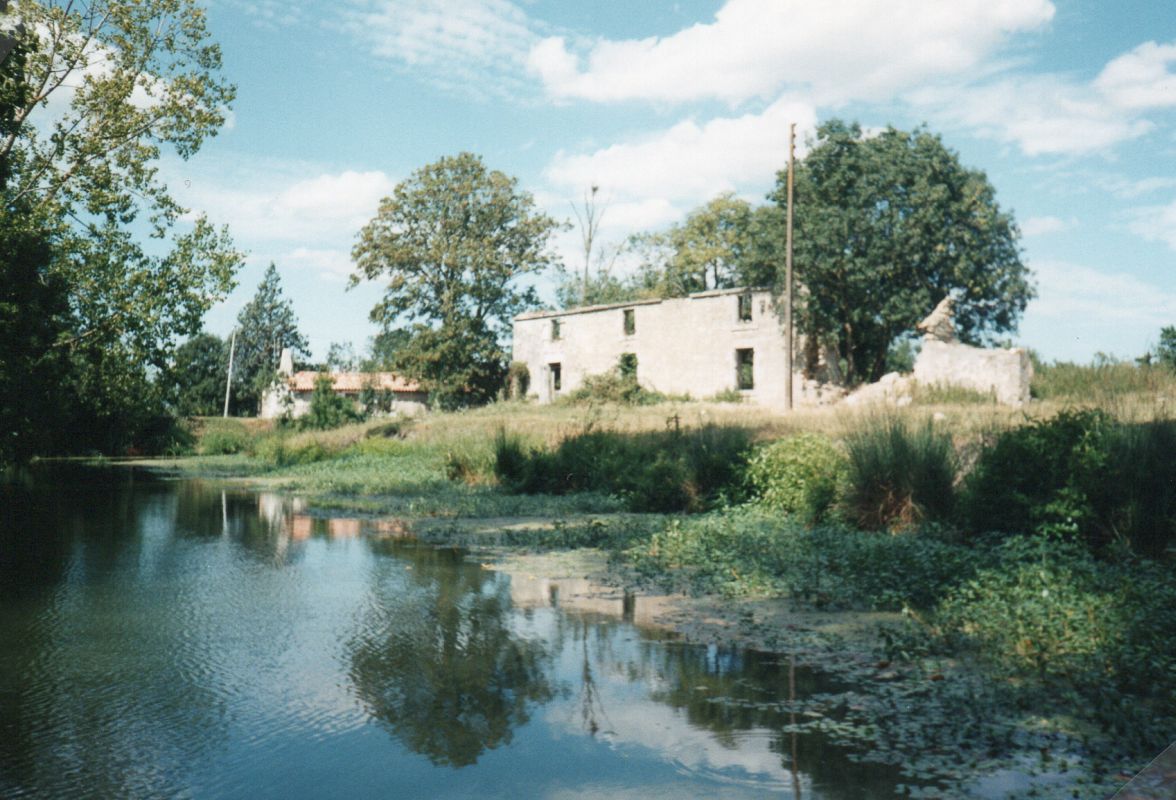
(452, 242)
(265, 326)
(888, 225)
(195, 382)
(91, 95)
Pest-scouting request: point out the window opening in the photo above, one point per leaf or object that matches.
(555, 330)
(745, 307)
(745, 368)
(627, 366)
(630, 322)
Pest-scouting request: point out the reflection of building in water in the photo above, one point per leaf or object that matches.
(579, 594)
(286, 516)
(343, 528)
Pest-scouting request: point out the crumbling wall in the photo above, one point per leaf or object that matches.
(1004, 373)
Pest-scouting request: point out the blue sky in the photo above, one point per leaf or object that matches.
(1068, 106)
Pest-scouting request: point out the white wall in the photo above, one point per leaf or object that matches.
(683, 345)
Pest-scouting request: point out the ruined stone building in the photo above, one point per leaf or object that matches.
(733, 339)
(700, 345)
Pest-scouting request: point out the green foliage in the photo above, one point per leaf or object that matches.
(79, 161)
(727, 396)
(617, 386)
(328, 409)
(518, 381)
(753, 551)
(383, 347)
(451, 242)
(886, 227)
(284, 451)
(1080, 474)
(34, 372)
(798, 475)
(899, 475)
(265, 326)
(652, 471)
(223, 442)
(194, 384)
(949, 394)
(1166, 349)
(1103, 381)
(1102, 631)
(721, 245)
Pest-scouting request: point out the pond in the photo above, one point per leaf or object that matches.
(170, 639)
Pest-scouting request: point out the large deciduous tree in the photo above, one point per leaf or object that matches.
(888, 225)
(451, 242)
(91, 96)
(265, 326)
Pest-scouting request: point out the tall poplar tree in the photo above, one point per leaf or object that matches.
(265, 326)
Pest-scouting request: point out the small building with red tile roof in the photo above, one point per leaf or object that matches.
(291, 393)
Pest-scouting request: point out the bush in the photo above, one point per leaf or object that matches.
(328, 409)
(798, 475)
(223, 442)
(1103, 630)
(688, 470)
(749, 551)
(1080, 474)
(898, 476)
(284, 451)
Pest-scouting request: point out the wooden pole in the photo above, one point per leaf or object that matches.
(229, 379)
(788, 274)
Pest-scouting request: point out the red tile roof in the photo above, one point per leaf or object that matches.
(353, 382)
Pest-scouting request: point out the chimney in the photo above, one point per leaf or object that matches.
(286, 364)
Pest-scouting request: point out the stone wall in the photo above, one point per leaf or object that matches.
(683, 346)
(1003, 373)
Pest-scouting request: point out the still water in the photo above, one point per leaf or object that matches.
(169, 639)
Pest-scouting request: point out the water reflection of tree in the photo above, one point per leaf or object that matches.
(727, 691)
(436, 660)
(96, 691)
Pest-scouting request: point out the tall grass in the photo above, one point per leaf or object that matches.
(899, 474)
(1101, 382)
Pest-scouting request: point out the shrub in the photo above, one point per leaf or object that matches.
(223, 441)
(798, 475)
(1105, 630)
(898, 475)
(283, 451)
(328, 409)
(1080, 474)
(687, 470)
(748, 551)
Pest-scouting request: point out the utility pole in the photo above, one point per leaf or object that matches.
(788, 274)
(229, 379)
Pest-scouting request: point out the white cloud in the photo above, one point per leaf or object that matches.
(1072, 292)
(755, 48)
(689, 162)
(276, 203)
(475, 46)
(1042, 226)
(330, 264)
(1140, 79)
(1155, 223)
(1043, 115)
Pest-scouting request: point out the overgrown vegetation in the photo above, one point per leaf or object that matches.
(674, 470)
(899, 475)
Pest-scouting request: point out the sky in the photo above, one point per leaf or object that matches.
(1069, 107)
